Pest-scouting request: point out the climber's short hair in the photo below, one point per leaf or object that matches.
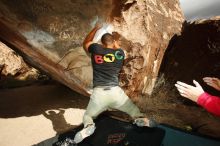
(107, 39)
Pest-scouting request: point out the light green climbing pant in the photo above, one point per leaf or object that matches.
(104, 98)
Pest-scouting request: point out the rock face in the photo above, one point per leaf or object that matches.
(56, 29)
(192, 55)
(11, 64)
(147, 27)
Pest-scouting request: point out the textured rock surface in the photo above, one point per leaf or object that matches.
(192, 55)
(11, 64)
(57, 28)
(147, 26)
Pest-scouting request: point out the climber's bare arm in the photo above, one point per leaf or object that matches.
(88, 40)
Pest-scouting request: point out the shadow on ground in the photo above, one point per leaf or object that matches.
(49, 100)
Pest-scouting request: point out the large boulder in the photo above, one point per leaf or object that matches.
(11, 64)
(192, 55)
(50, 33)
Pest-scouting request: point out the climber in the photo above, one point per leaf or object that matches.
(107, 61)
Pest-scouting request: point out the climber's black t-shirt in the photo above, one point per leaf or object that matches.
(106, 64)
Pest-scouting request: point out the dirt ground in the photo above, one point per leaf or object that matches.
(31, 114)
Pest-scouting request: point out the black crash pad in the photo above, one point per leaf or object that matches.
(113, 132)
